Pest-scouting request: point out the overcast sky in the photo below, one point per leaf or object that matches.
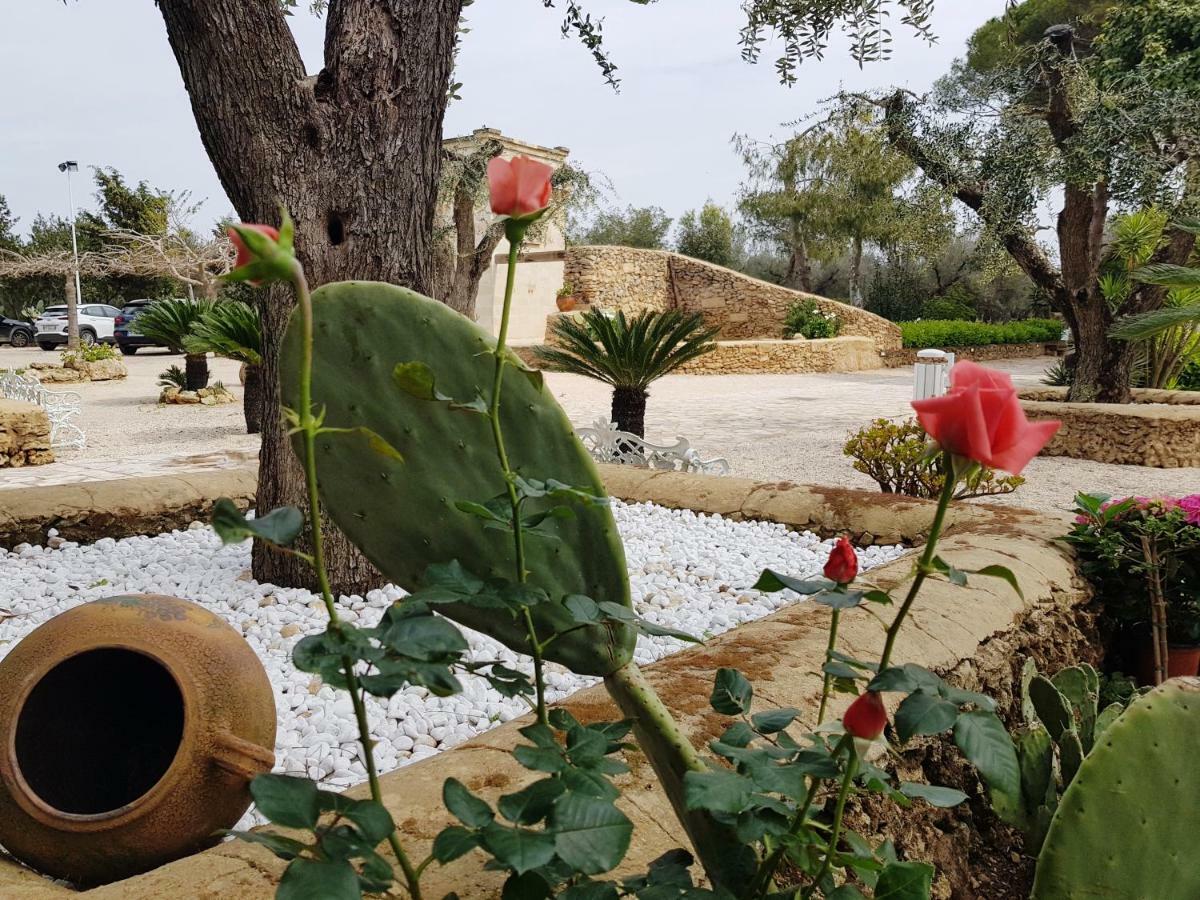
(95, 81)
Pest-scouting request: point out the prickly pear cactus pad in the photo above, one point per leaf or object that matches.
(1125, 828)
(405, 515)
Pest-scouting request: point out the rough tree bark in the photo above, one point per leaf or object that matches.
(799, 270)
(1103, 366)
(354, 152)
(629, 409)
(195, 366)
(72, 312)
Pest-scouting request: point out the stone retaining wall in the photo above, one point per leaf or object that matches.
(24, 435)
(1137, 434)
(840, 354)
(1140, 395)
(907, 356)
(978, 635)
(632, 280)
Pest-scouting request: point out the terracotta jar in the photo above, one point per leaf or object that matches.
(566, 303)
(129, 731)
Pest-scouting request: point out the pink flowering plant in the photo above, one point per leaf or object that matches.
(500, 545)
(1143, 556)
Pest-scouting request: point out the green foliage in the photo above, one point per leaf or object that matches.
(947, 334)
(625, 352)
(645, 227)
(171, 322)
(897, 455)
(172, 376)
(953, 307)
(371, 418)
(1155, 39)
(807, 319)
(1108, 536)
(89, 353)
(708, 235)
(1000, 41)
(229, 329)
(1116, 832)
(1058, 374)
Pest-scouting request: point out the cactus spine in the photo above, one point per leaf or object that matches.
(1121, 830)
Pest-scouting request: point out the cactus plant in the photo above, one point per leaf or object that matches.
(405, 515)
(1120, 830)
(1062, 724)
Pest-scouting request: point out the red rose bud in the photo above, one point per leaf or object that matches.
(519, 187)
(842, 566)
(244, 256)
(263, 253)
(866, 717)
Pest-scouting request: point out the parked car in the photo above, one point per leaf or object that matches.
(97, 322)
(126, 332)
(16, 332)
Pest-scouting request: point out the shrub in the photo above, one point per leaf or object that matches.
(1189, 378)
(896, 455)
(948, 308)
(807, 319)
(945, 333)
(172, 376)
(1108, 536)
(93, 353)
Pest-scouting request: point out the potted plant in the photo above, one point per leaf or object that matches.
(566, 299)
(1143, 556)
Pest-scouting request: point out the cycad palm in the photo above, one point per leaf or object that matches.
(629, 354)
(170, 322)
(231, 329)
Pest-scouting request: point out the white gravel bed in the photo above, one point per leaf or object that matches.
(688, 571)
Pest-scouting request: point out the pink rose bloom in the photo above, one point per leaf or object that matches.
(519, 186)
(1191, 508)
(981, 419)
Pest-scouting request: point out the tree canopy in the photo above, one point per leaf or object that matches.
(708, 234)
(645, 227)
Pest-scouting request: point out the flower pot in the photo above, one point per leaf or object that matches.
(1183, 660)
(129, 731)
(566, 304)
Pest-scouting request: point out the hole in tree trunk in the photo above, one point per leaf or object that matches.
(337, 231)
(312, 136)
(99, 730)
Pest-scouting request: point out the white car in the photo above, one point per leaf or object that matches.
(96, 323)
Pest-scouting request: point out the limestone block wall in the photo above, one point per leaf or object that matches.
(800, 357)
(1138, 434)
(906, 356)
(632, 280)
(24, 435)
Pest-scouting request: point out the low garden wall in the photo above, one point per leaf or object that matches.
(632, 280)
(977, 635)
(840, 354)
(24, 435)
(1163, 435)
(907, 356)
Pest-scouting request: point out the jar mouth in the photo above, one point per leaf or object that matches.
(97, 732)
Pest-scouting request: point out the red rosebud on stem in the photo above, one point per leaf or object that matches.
(519, 187)
(244, 256)
(866, 717)
(842, 566)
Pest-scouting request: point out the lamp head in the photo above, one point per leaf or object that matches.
(69, 166)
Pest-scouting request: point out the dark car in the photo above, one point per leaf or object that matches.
(16, 332)
(126, 332)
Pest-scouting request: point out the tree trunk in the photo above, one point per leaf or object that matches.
(252, 397)
(72, 313)
(353, 153)
(195, 366)
(799, 270)
(856, 257)
(629, 409)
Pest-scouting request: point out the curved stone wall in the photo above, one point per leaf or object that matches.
(632, 280)
(1136, 434)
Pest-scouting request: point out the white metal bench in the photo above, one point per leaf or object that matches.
(60, 406)
(607, 444)
(931, 373)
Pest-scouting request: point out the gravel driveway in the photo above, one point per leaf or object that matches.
(770, 427)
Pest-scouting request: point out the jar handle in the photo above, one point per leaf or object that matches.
(240, 757)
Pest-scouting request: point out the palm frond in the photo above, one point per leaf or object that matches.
(1148, 325)
(170, 322)
(1170, 275)
(230, 329)
(624, 352)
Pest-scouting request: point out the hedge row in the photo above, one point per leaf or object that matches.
(942, 333)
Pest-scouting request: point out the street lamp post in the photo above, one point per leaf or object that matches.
(72, 307)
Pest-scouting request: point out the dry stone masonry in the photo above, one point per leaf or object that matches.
(24, 434)
(749, 312)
